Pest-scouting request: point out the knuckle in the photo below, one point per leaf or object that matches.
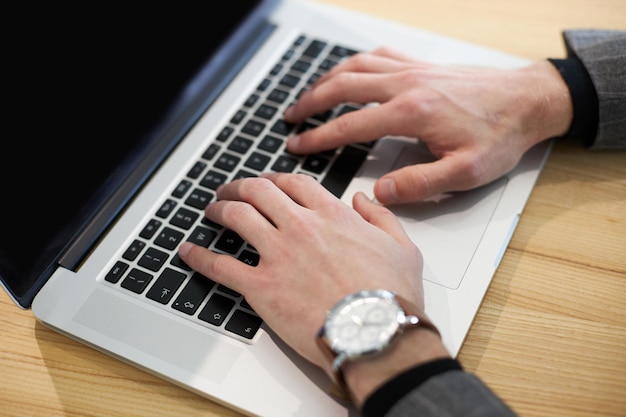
(416, 103)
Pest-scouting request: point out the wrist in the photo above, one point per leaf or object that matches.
(411, 349)
(548, 98)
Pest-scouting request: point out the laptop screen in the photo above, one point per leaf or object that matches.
(87, 88)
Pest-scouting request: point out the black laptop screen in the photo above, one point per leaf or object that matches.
(85, 87)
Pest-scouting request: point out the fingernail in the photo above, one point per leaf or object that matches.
(184, 249)
(288, 113)
(386, 191)
(293, 142)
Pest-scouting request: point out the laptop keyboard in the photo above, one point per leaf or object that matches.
(252, 142)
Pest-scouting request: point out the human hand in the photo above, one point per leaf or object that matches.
(314, 250)
(477, 122)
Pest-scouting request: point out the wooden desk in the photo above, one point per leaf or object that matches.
(550, 337)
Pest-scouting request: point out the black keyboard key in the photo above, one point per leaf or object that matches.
(168, 238)
(238, 117)
(176, 261)
(301, 66)
(192, 295)
(264, 84)
(227, 162)
(315, 163)
(314, 77)
(242, 173)
(229, 242)
(166, 285)
(342, 52)
(248, 257)
(153, 259)
(306, 126)
(314, 48)
(265, 111)
(287, 56)
(253, 128)
(199, 199)
(202, 236)
(184, 218)
(326, 65)
(270, 143)
(299, 40)
(257, 161)
(251, 100)
(166, 208)
(281, 127)
(216, 309)
(196, 170)
(211, 151)
(116, 272)
(240, 144)
(244, 324)
(136, 281)
(181, 189)
(212, 224)
(285, 163)
(224, 134)
(343, 170)
(150, 229)
(322, 117)
(278, 96)
(213, 180)
(289, 81)
(133, 250)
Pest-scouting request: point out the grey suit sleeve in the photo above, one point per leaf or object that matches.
(603, 53)
(451, 394)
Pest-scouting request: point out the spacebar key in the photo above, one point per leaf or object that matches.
(343, 170)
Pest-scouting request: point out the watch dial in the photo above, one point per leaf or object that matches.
(363, 324)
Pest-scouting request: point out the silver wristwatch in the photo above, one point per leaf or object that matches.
(364, 324)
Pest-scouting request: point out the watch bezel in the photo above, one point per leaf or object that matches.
(341, 349)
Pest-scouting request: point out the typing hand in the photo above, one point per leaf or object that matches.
(478, 122)
(314, 250)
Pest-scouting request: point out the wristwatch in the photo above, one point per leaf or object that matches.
(365, 324)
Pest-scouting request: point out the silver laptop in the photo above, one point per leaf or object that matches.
(123, 137)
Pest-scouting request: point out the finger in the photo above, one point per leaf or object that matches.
(380, 216)
(251, 207)
(243, 219)
(364, 125)
(345, 87)
(303, 189)
(223, 269)
(382, 60)
(397, 55)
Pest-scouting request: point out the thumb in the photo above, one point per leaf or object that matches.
(418, 182)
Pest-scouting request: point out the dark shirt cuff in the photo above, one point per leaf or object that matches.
(584, 99)
(385, 397)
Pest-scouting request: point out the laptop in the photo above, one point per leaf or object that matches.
(124, 124)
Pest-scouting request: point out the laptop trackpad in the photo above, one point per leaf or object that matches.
(165, 341)
(447, 228)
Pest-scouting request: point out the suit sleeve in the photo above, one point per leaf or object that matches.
(453, 393)
(603, 56)
(434, 389)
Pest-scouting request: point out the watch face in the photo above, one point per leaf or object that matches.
(363, 323)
